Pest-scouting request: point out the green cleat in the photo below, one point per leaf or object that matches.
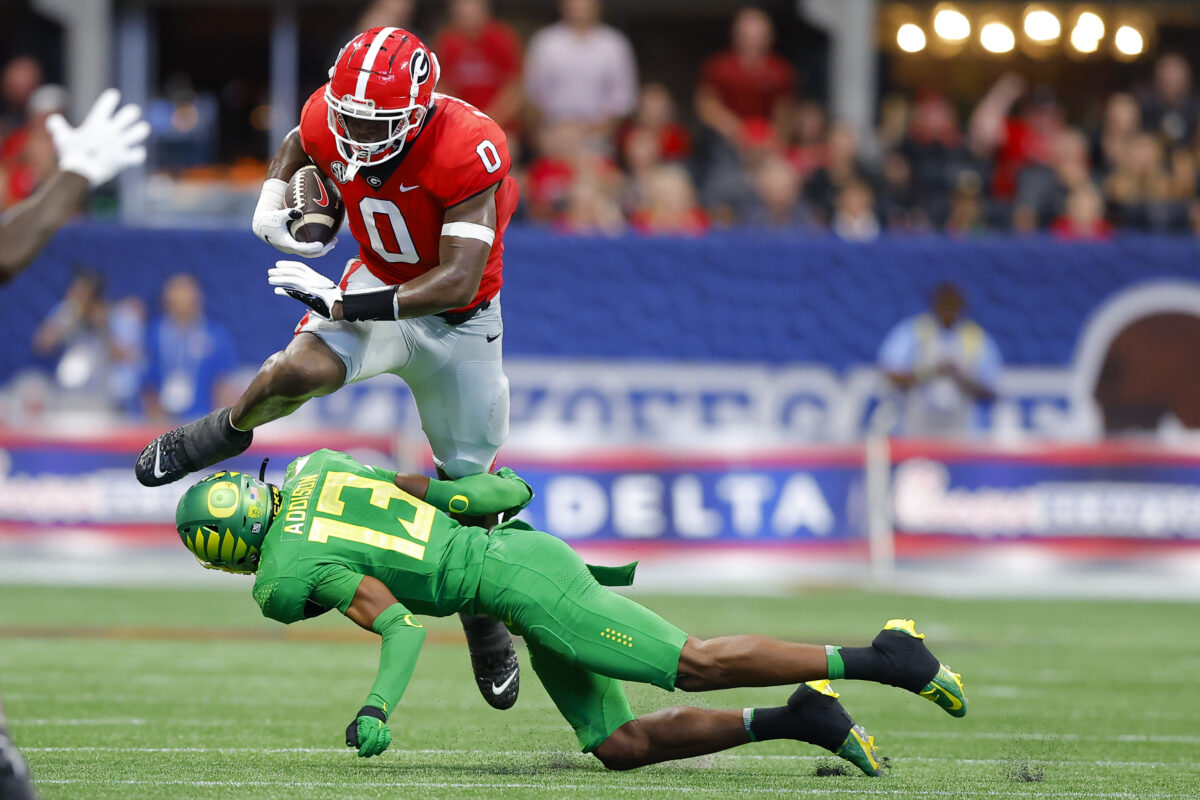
(946, 686)
(859, 746)
(859, 750)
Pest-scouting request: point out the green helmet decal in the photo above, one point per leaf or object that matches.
(224, 518)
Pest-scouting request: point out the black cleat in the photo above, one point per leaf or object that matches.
(826, 724)
(14, 776)
(193, 447)
(493, 659)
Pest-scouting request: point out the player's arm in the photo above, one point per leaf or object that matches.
(288, 159)
(272, 214)
(28, 227)
(376, 609)
(468, 230)
(107, 141)
(477, 495)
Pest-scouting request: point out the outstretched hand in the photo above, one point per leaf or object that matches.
(106, 142)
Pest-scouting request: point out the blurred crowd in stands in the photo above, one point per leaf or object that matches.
(602, 148)
(111, 355)
(26, 152)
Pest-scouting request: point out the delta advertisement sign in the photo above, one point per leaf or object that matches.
(806, 495)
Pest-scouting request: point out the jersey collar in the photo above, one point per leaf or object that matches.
(382, 173)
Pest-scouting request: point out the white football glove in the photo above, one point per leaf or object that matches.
(271, 218)
(106, 142)
(296, 280)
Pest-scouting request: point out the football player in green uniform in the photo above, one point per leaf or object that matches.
(380, 548)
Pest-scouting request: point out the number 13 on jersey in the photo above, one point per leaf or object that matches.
(382, 493)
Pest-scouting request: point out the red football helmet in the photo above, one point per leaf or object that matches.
(386, 75)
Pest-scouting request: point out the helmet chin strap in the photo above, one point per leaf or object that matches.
(353, 165)
(272, 491)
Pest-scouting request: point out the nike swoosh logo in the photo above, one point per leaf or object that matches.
(494, 338)
(323, 201)
(938, 695)
(158, 473)
(499, 690)
(404, 188)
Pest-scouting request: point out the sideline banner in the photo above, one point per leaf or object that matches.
(1038, 491)
(50, 483)
(801, 496)
(955, 493)
(55, 484)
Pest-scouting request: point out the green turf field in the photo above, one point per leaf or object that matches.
(189, 693)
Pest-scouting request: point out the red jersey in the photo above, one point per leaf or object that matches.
(749, 90)
(396, 209)
(476, 68)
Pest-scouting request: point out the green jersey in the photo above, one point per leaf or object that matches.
(341, 520)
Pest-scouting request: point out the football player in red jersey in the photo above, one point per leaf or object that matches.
(428, 197)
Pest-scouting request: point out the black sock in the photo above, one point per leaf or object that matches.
(808, 717)
(863, 664)
(230, 432)
(484, 634)
(894, 658)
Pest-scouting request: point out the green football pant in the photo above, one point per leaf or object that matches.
(582, 637)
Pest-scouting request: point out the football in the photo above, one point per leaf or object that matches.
(320, 205)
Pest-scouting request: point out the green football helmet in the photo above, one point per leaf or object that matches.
(224, 518)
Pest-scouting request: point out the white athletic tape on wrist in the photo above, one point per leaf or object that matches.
(271, 198)
(469, 230)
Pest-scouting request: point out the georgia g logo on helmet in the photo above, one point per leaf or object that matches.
(419, 67)
(380, 90)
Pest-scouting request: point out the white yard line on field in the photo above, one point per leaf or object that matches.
(559, 787)
(1125, 738)
(586, 759)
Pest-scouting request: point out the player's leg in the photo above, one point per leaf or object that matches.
(457, 379)
(307, 368)
(489, 644)
(542, 585)
(321, 357)
(596, 708)
(14, 776)
(897, 657)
